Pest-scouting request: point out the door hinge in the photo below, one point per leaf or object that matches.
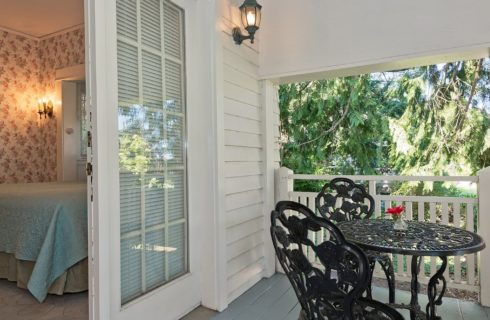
(88, 169)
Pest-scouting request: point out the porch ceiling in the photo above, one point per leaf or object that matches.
(40, 18)
(331, 38)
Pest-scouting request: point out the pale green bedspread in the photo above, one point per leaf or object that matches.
(46, 223)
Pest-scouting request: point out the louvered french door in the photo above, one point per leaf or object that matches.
(151, 256)
(152, 155)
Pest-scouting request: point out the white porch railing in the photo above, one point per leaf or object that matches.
(463, 272)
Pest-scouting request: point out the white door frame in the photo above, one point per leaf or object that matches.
(207, 230)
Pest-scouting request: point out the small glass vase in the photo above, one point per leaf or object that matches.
(400, 224)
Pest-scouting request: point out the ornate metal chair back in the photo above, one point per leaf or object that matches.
(328, 276)
(343, 200)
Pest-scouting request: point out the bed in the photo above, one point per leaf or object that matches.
(43, 237)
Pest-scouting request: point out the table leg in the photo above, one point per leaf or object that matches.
(435, 298)
(414, 287)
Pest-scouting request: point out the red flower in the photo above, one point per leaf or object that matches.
(395, 210)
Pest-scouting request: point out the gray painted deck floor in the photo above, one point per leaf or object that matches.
(270, 299)
(274, 299)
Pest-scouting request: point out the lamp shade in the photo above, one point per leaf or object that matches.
(251, 13)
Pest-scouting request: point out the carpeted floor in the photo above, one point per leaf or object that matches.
(18, 304)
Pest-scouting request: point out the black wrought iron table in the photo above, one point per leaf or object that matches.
(422, 239)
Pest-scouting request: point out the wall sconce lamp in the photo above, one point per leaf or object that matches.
(251, 13)
(45, 107)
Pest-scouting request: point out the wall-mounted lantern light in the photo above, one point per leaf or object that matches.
(251, 16)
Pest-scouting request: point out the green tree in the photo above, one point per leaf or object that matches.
(334, 126)
(444, 127)
(428, 120)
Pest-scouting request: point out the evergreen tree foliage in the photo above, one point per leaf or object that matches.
(423, 121)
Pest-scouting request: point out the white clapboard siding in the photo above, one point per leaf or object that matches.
(242, 184)
(243, 53)
(241, 246)
(237, 138)
(245, 279)
(245, 229)
(243, 199)
(242, 215)
(232, 58)
(237, 123)
(241, 94)
(243, 162)
(242, 154)
(245, 260)
(240, 169)
(277, 124)
(241, 109)
(241, 79)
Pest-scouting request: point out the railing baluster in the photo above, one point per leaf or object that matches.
(399, 257)
(445, 214)
(421, 211)
(377, 208)
(445, 221)
(470, 258)
(311, 234)
(421, 217)
(433, 260)
(408, 210)
(409, 216)
(457, 260)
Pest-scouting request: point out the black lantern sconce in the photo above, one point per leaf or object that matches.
(251, 16)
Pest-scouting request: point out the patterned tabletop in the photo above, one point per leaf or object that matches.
(421, 238)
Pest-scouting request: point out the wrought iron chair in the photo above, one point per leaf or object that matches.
(329, 276)
(343, 200)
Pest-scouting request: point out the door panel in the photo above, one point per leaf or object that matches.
(151, 263)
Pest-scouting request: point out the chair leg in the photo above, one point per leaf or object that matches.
(390, 276)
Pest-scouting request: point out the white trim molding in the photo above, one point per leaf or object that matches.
(38, 39)
(269, 103)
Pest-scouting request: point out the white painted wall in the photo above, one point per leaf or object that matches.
(313, 36)
(247, 162)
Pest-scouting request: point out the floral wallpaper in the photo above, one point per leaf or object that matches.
(61, 51)
(27, 73)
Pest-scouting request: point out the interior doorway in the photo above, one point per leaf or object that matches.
(43, 200)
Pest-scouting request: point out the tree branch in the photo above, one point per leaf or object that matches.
(333, 127)
(470, 98)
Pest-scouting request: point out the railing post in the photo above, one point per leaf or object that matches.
(372, 188)
(284, 184)
(484, 231)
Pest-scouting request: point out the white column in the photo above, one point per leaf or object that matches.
(484, 231)
(270, 109)
(212, 255)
